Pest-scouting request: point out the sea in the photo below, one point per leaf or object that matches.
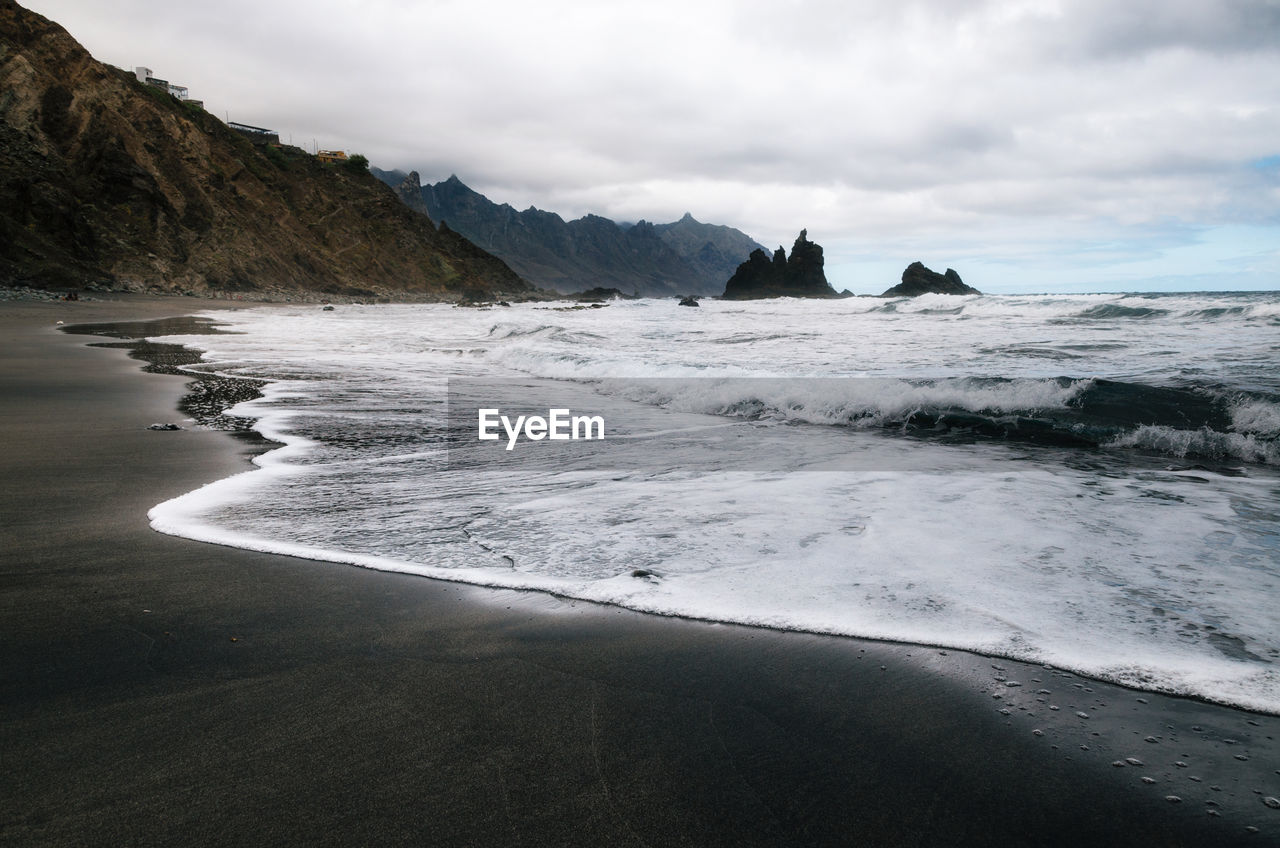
(1090, 482)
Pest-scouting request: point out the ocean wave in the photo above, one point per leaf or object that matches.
(1116, 567)
(1203, 443)
(1091, 308)
(752, 338)
(1215, 312)
(868, 401)
(551, 332)
(1258, 417)
(1034, 352)
(1119, 310)
(1064, 411)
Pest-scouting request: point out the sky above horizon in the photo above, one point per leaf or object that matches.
(1032, 145)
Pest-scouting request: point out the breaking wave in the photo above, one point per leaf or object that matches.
(1088, 412)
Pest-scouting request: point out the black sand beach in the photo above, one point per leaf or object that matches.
(158, 691)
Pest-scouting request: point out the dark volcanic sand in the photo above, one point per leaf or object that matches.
(158, 691)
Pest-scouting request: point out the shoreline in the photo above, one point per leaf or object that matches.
(217, 393)
(255, 697)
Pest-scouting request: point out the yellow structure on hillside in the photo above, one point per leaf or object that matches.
(331, 156)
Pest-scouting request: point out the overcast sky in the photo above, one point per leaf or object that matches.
(1033, 145)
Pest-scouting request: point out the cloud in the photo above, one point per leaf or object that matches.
(1113, 29)
(879, 126)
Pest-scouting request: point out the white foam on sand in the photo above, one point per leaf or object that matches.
(1160, 578)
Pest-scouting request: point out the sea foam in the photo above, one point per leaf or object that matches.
(1147, 571)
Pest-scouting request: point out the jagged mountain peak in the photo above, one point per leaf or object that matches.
(683, 257)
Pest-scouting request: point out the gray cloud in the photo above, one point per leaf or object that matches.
(1140, 26)
(1023, 128)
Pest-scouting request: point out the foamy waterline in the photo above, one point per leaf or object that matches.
(1151, 577)
(782, 595)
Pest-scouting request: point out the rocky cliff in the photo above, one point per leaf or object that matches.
(106, 181)
(685, 256)
(800, 275)
(918, 280)
(714, 250)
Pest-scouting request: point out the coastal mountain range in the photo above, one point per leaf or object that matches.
(656, 260)
(106, 181)
(109, 182)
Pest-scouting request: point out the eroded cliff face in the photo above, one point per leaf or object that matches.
(106, 181)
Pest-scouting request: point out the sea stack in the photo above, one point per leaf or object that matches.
(918, 280)
(801, 275)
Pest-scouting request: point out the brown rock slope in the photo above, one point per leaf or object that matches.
(104, 180)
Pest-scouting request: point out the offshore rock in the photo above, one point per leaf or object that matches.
(600, 294)
(918, 280)
(799, 275)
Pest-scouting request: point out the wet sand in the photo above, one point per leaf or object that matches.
(157, 691)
